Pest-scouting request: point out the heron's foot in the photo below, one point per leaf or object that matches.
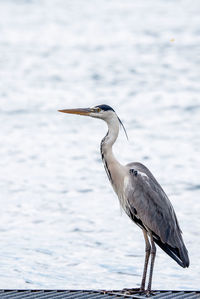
(149, 293)
(142, 291)
(131, 291)
(142, 287)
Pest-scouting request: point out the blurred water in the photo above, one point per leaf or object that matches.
(61, 225)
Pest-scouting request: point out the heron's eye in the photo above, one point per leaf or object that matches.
(98, 109)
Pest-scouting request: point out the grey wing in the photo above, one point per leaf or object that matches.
(149, 205)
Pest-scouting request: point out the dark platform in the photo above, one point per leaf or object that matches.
(71, 294)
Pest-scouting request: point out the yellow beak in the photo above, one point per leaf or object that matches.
(80, 111)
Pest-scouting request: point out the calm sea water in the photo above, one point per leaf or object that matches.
(61, 225)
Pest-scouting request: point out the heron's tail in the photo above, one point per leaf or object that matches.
(180, 255)
(184, 256)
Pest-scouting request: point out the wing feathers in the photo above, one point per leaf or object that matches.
(175, 253)
(156, 213)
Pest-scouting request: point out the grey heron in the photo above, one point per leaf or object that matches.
(141, 197)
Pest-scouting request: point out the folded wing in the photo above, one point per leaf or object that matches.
(150, 208)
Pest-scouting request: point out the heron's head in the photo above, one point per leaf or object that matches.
(104, 112)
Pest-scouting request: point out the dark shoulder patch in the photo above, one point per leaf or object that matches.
(105, 107)
(133, 171)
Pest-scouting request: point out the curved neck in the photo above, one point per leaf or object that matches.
(106, 146)
(111, 136)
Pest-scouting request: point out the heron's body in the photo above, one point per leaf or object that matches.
(141, 197)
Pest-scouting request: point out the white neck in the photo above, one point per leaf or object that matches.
(111, 136)
(115, 171)
(107, 142)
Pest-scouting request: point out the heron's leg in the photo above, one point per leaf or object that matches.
(153, 255)
(147, 251)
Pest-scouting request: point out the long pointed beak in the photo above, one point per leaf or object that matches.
(80, 111)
